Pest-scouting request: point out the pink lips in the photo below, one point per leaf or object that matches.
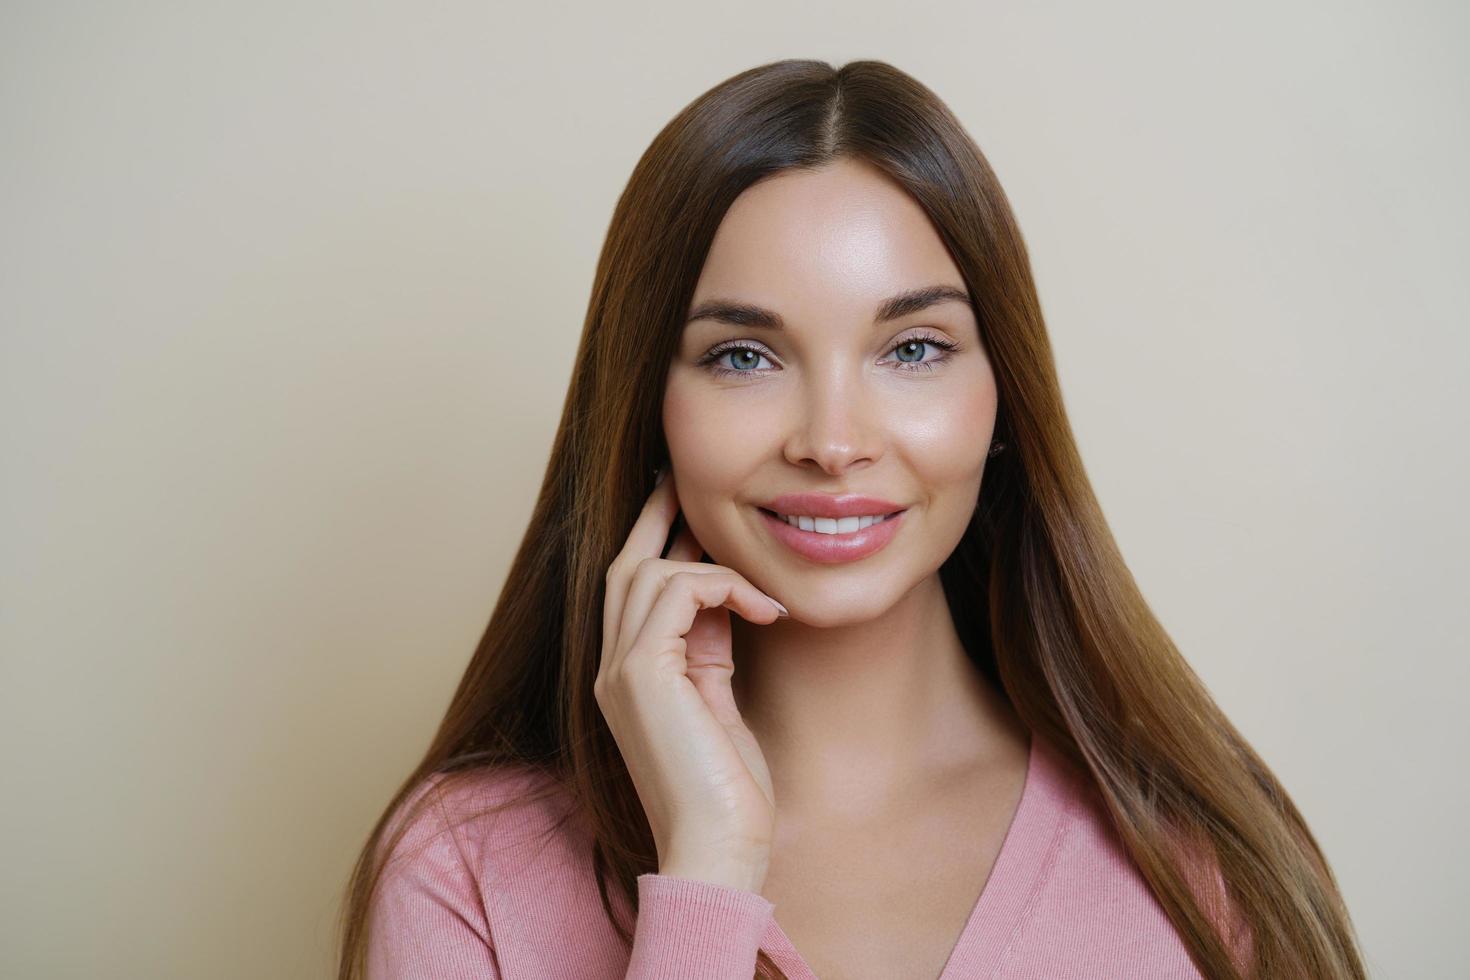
(832, 548)
(830, 505)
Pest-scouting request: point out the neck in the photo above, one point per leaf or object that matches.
(848, 717)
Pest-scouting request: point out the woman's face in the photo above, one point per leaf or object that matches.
(836, 398)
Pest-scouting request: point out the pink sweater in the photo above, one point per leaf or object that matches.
(494, 900)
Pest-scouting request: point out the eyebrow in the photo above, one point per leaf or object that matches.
(893, 308)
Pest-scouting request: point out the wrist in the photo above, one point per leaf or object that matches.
(746, 875)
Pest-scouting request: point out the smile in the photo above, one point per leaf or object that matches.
(832, 525)
(832, 540)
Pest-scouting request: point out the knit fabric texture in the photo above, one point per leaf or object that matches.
(513, 895)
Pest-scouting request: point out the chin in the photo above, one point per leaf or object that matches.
(826, 608)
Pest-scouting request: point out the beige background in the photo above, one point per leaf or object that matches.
(290, 293)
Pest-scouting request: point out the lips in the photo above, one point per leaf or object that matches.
(830, 549)
(830, 505)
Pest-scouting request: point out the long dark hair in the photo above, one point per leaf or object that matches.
(1043, 601)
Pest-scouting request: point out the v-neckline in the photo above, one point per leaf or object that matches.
(1019, 870)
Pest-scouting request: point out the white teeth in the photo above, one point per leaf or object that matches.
(832, 525)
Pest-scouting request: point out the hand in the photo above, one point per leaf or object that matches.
(664, 687)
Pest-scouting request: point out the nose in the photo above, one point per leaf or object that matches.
(838, 424)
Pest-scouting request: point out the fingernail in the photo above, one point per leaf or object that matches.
(661, 474)
(779, 608)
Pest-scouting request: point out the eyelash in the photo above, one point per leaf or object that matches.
(719, 350)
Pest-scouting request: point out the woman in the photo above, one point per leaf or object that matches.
(942, 735)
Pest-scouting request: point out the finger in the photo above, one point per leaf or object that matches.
(684, 594)
(708, 671)
(648, 582)
(645, 540)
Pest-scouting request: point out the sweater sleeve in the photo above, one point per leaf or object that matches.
(427, 926)
(428, 919)
(689, 928)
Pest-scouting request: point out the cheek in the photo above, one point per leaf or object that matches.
(716, 446)
(714, 436)
(946, 439)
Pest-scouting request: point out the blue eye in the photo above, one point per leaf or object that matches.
(746, 355)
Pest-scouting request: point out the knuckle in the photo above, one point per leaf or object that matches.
(691, 583)
(686, 580)
(668, 654)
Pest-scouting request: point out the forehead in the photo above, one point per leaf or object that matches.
(813, 242)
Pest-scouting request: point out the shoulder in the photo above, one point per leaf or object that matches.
(471, 814)
(438, 907)
(496, 862)
(1095, 894)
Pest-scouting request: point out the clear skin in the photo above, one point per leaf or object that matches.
(864, 694)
